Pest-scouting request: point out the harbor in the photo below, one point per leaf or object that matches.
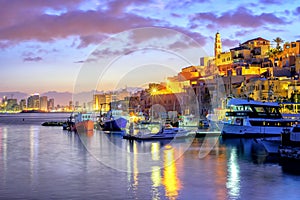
(49, 162)
(151, 100)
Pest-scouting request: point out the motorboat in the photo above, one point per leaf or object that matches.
(269, 144)
(289, 150)
(112, 122)
(166, 132)
(249, 118)
(290, 144)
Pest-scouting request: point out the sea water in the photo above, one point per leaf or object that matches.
(39, 162)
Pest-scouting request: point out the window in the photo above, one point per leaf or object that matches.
(259, 109)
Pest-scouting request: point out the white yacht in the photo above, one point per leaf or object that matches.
(249, 118)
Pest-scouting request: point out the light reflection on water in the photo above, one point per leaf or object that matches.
(233, 180)
(170, 179)
(39, 162)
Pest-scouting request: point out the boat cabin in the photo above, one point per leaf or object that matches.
(254, 113)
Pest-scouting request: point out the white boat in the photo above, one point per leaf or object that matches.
(167, 132)
(249, 118)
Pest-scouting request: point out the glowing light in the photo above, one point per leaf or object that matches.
(153, 91)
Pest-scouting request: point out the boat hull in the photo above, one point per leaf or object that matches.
(87, 125)
(114, 125)
(168, 134)
(231, 130)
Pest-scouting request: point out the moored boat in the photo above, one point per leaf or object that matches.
(289, 150)
(269, 144)
(166, 132)
(112, 122)
(117, 124)
(80, 122)
(249, 118)
(290, 144)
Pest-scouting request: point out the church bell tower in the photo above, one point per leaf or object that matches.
(218, 44)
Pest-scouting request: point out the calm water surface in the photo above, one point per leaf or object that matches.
(38, 162)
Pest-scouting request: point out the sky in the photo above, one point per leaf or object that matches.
(82, 45)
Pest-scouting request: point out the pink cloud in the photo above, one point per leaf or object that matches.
(86, 40)
(119, 7)
(270, 1)
(13, 12)
(243, 32)
(89, 25)
(230, 43)
(29, 22)
(32, 59)
(241, 17)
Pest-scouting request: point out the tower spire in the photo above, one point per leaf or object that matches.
(218, 44)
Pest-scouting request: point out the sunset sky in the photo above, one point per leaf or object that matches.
(67, 45)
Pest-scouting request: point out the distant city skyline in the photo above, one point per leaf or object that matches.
(44, 46)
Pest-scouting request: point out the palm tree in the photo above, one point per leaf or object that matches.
(278, 41)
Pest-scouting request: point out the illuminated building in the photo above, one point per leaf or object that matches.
(101, 102)
(205, 61)
(297, 64)
(258, 47)
(223, 62)
(289, 53)
(51, 104)
(44, 103)
(23, 104)
(12, 105)
(33, 102)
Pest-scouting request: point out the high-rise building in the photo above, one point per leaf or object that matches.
(23, 104)
(102, 102)
(33, 102)
(51, 104)
(44, 103)
(71, 105)
(11, 104)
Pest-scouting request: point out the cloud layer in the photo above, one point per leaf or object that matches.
(93, 21)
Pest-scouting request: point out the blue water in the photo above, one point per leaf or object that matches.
(38, 162)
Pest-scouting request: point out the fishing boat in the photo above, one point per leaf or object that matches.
(249, 118)
(80, 122)
(166, 132)
(84, 122)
